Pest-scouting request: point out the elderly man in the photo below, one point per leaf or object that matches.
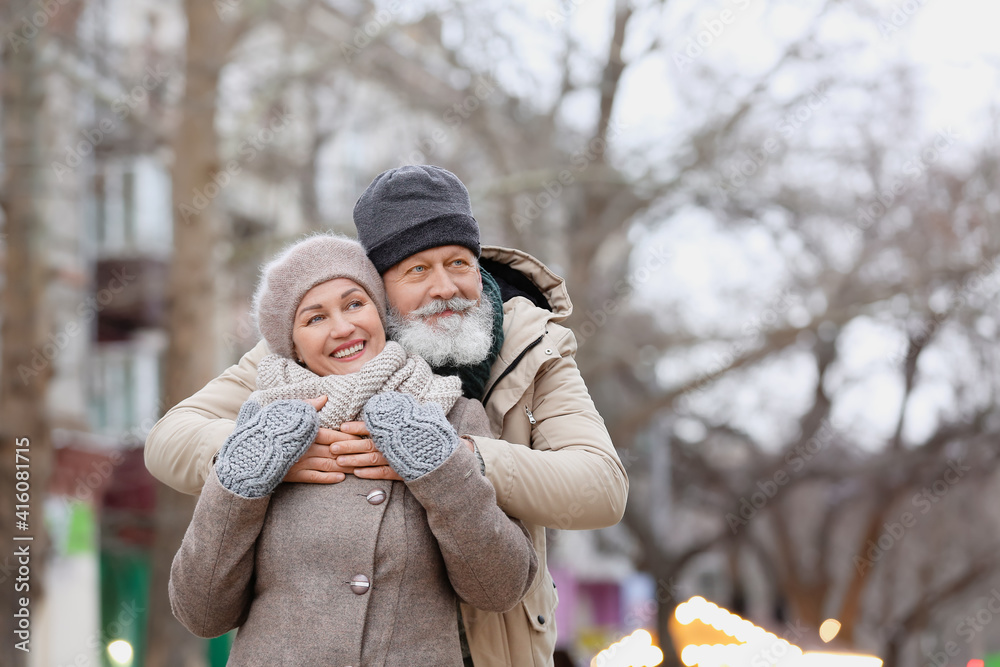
(489, 315)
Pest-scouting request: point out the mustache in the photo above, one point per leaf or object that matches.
(438, 306)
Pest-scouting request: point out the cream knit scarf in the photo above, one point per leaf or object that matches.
(280, 378)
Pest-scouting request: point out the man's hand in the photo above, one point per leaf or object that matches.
(359, 453)
(317, 466)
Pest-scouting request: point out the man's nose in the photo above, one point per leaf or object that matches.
(442, 286)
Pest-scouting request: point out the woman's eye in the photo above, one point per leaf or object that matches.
(354, 305)
(314, 319)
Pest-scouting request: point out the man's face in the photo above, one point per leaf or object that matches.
(438, 273)
(436, 309)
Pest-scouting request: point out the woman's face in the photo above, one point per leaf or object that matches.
(337, 328)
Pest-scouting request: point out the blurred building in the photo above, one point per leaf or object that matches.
(108, 224)
(108, 237)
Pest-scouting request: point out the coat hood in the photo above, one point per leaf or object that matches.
(551, 286)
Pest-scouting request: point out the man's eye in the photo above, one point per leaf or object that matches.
(417, 269)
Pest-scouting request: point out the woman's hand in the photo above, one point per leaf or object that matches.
(336, 454)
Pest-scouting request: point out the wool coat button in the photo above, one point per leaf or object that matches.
(360, 584)
(541, 619)
(376, 497)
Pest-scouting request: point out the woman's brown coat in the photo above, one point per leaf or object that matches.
(280, 567)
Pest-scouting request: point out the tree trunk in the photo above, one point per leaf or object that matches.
(890, 657)
(664, 614)
(806, 601)
(25, 441)
(190, 357)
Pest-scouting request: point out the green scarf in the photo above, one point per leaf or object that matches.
(474, 376)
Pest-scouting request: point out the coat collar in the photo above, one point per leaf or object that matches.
(524, 323)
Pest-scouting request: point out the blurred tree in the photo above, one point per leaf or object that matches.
(28, 348)
(23, 416)
(190, 362)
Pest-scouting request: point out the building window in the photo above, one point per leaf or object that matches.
(125, 385)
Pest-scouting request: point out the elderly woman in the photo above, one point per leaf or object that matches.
(364, 572)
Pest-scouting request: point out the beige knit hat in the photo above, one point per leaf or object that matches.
(296, 270)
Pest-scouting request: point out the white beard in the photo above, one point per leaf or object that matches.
(457, 340)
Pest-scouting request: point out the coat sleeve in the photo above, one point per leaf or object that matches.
(180, 447)
(570, 477)
(211, 578)
(489, 556)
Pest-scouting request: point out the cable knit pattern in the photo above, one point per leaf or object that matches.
(280, 378)
(266, 443)
(415, 439)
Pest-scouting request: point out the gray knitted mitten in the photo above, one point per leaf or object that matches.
(414, 438)
(265, 444)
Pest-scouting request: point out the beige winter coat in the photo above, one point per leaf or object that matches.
(280, 567)
(554, 465)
